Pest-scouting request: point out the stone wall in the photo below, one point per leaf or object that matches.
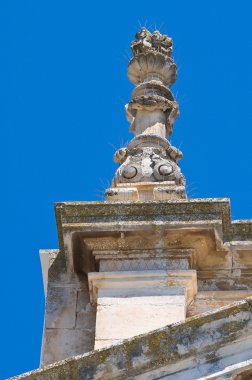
(69, 327)
(115, 237)
(215, 345)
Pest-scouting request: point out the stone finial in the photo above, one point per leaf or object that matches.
(148, 165)
(145, 41)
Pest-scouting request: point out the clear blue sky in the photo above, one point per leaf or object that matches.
(63, 87)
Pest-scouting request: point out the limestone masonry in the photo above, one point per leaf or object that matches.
(148, 284)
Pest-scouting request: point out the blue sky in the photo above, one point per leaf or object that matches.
(63, 87)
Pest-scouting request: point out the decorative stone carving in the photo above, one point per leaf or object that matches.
(150, 164)
(152, 66)
(142, 43)
(145, 41)
(120, 155)
(152, 111)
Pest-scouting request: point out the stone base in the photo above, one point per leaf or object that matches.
(146, 191)
(133, 303)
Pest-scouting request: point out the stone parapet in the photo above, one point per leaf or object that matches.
(214, 345)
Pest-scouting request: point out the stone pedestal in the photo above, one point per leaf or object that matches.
(146, 191)
(133, 303)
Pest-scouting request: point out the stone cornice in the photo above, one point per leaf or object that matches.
(191, 211)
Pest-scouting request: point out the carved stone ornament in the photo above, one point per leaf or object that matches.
(152, 65)
(145, 41)
(149, 164)
(152, 111)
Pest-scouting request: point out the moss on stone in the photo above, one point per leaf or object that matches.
(168, 345)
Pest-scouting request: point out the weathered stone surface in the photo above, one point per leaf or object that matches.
(83, 299)
(197, 233)
(69, 327)
(243, 372)
(149, 164)
(61, 307)
(117, 194)
(201, 225)
(86, 313)
(53, 266)
(213, 300)
(145, 191)
(63, 343)
(154, 42)
(132, 303)
(152, 111)
(124, 317)
(135, 264)
(221, 340)
(148, 225)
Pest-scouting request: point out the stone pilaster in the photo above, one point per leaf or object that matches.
(130, 303)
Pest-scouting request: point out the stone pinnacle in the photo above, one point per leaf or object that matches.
(149, 164)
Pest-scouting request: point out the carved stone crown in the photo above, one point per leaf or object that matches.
(149, 162)
(146, 41)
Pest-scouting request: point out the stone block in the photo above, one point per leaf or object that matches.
(212, 300)
(53, 263)
(83, 298)
(133, 303)
(126, 194)
(86, 313)
(242, 258)
(143, 264)
(60, 344)
(85, 319)
(61, 307)
(169, 193)
(121, 318)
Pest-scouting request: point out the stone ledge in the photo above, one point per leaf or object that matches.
(204, 335)
(152, 280)
(183, 210)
